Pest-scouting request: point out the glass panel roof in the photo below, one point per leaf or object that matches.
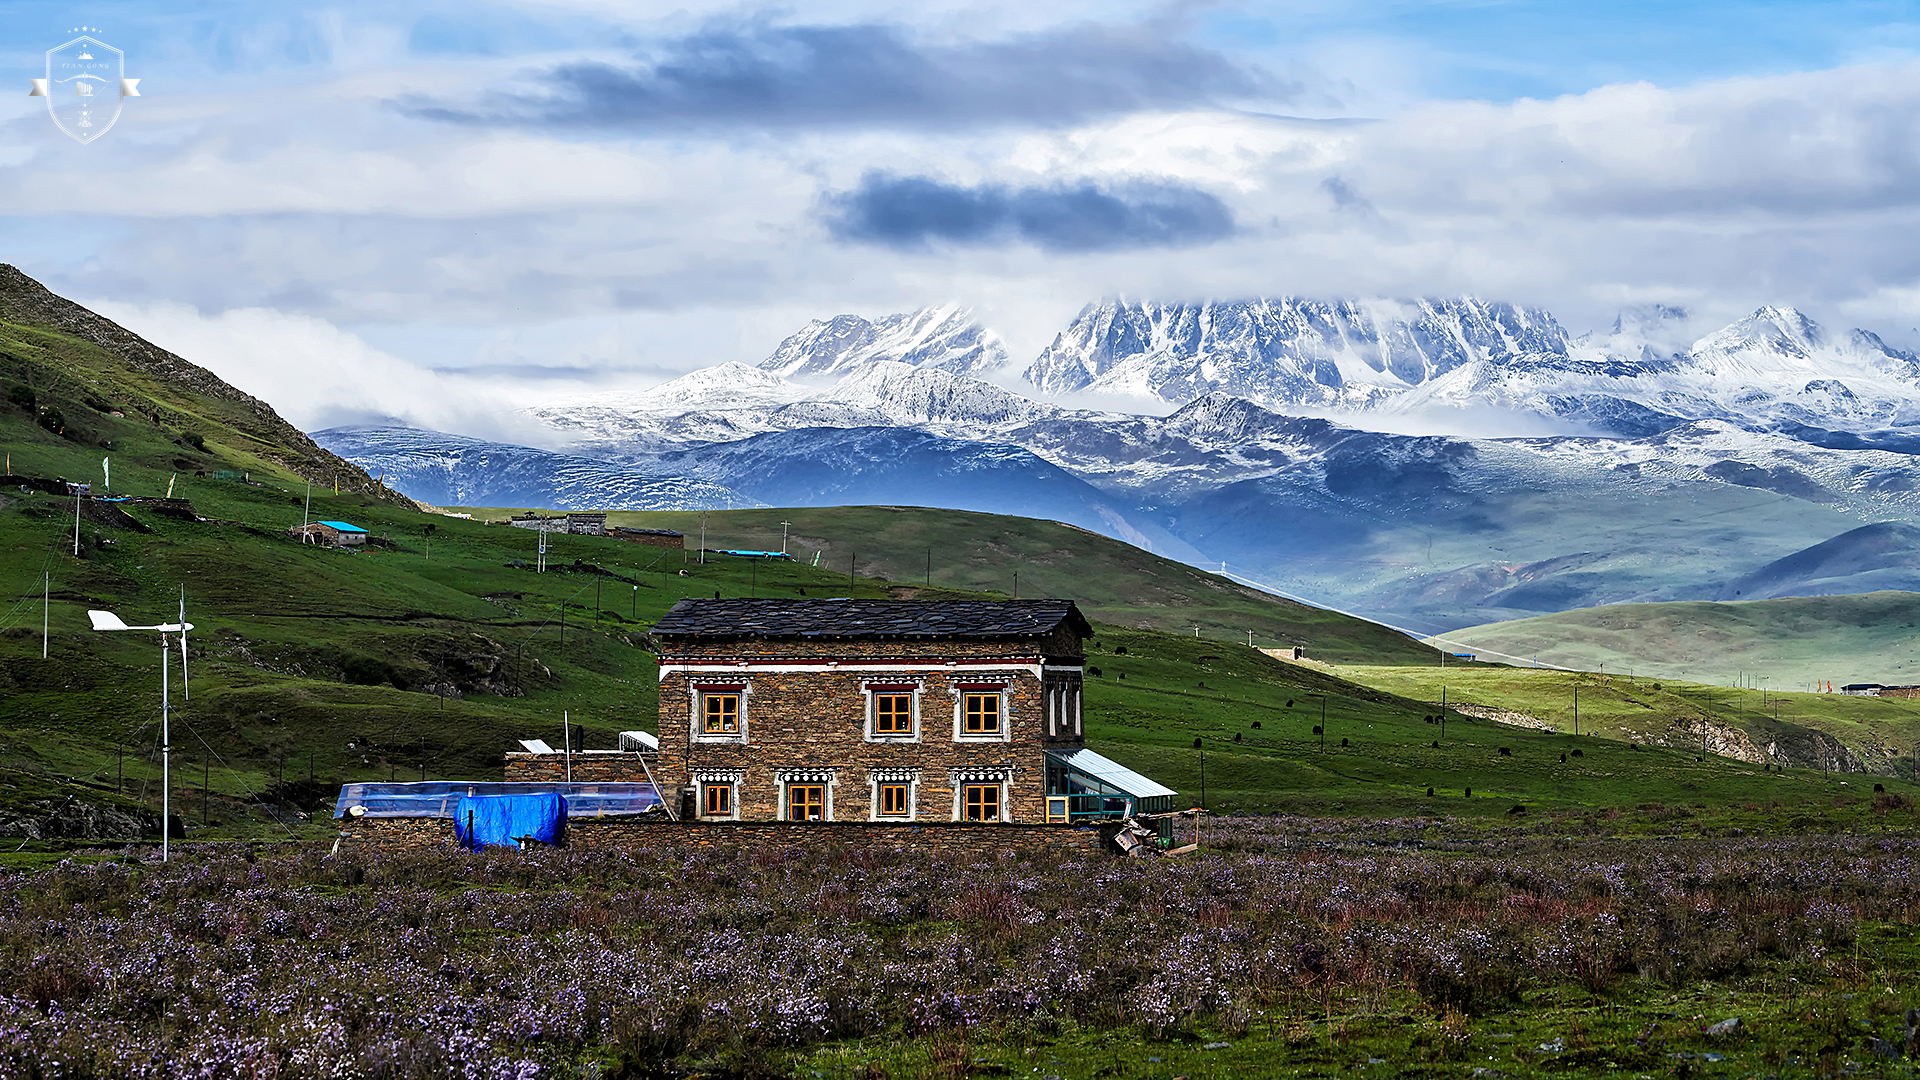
(1110, 772)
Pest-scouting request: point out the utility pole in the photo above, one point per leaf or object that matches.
(1576, 708)
(851, 559)
(783, 536)
(929, 568)
(703, 538)
(1249, 639)
(1203, 775)
(46, 608)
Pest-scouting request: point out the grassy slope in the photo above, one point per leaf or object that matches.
(1112, 581)
(285, 629)
(1790, 643)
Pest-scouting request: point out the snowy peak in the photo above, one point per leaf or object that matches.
(1285, 350)
(1780, 331)
(944, 338)
(914, 395)
(1776, 343)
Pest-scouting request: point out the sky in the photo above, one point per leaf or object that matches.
(442, 212)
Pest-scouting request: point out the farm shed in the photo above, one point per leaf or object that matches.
(336, 533)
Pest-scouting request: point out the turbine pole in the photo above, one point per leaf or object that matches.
(166, 757)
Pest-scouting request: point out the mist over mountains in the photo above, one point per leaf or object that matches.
(1616, 467)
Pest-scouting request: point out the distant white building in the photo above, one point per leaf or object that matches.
(578, 524)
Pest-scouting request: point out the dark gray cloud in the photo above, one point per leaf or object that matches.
(764, 76)
(913, 211)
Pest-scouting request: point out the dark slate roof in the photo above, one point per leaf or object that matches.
(869, 619)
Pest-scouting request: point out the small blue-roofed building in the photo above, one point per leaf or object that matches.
(332, 533)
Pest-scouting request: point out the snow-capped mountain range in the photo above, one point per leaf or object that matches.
(1678, 469)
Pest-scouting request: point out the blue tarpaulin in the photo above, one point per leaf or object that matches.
(506, 820)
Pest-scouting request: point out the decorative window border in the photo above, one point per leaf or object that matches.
(981, 774)
(704, 777)
(873, 688)
(786, 778)
(893, 774)
(991, 684)
(697, 691)
(1061, 702)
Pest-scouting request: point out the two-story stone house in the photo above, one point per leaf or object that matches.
(882, 711)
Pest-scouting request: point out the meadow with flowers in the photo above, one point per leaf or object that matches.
(1420, 946)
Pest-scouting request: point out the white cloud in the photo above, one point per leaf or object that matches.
(457, 245)
(317, 375)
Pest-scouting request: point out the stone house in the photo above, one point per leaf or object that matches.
(882, 711)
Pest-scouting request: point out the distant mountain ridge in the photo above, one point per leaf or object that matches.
(1775, 370)
(1679, 468)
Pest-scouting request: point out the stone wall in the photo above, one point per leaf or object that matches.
(387, 833)
(818, 720)
(958, 839)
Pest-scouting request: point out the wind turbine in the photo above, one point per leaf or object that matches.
(107, 620)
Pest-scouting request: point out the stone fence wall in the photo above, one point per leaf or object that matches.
(963, 840)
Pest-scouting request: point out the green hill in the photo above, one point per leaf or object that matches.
(1795, 643)
(913, 547)
(78, 388)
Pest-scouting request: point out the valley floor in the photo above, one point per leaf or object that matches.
(1300, 946)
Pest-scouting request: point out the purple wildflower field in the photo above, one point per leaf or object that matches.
(293, 963)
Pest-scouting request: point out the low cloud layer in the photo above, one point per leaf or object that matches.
(911, 212)
(694, 191)
(766, 76)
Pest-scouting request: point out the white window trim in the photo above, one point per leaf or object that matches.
(786, 778)
(696, 696)
(1005, 734)
(963, 778)
(705, 777)
(909, 777)
(913, 734)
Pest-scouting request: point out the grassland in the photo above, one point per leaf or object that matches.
(1422, 947)
(1787, 644)
(991, 554)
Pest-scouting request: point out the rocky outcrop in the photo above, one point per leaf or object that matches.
(77, 819)
(1503, 716)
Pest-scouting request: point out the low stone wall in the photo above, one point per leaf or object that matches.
(397, 833)
(959, 839)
